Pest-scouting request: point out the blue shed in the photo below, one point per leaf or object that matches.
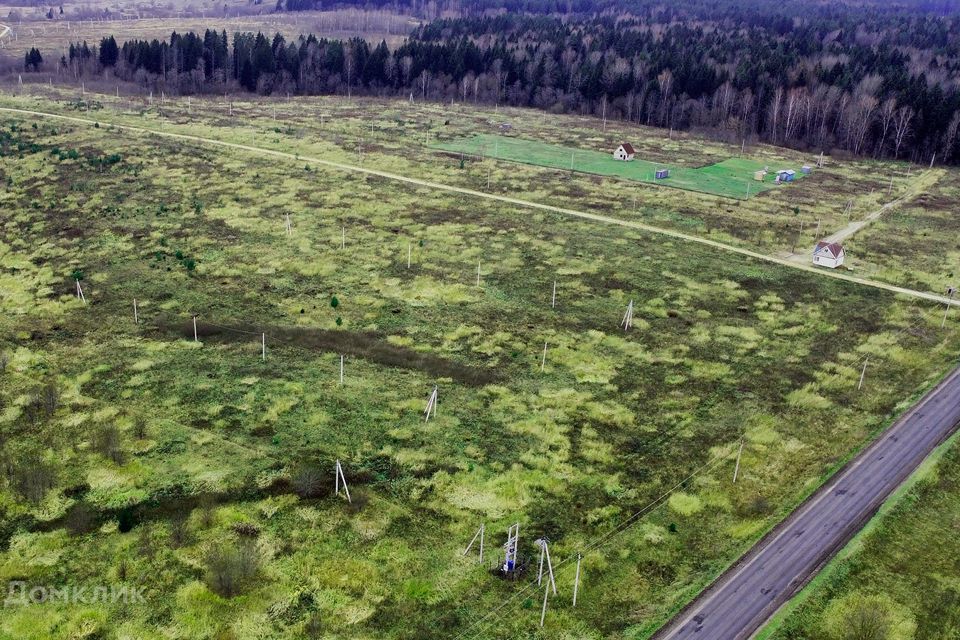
(662, 173)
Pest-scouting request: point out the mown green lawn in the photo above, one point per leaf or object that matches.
(732, 177)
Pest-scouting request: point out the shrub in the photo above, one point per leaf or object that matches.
(108, 444)
(313, 627)
(79, 519)
(139, 428)
(179, 532)
(309, 482)
(32, 478)
(246, 529)
(231, 568)
(859, 616)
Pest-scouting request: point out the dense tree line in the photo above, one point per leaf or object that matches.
(884, 83)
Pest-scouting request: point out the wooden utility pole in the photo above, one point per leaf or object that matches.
(862, 374)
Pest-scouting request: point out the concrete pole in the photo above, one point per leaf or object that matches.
(576, 580)
(543, 612)
(947, 309)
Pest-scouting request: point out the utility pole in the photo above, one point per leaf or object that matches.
(950, 292)
(576, 580)
(736, 469)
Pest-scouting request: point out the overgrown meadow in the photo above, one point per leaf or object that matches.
(133, 454)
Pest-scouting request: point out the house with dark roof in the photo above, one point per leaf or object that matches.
(828, 254)
(624, 152)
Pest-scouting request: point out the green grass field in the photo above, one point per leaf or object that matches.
(731, 178)
(133, 455)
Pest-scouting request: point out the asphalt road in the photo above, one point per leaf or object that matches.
(745, 597)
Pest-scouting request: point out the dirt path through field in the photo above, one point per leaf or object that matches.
(593, 217)
(923, 181)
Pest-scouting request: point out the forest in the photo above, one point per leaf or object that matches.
(869, 80)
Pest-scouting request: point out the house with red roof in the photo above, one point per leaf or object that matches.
(828, 254)
(624, 152)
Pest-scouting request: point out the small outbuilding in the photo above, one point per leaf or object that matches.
(805, 169)
(624, 152)
(760, 175)
(786, 175)
(662, 174)
(828, 254)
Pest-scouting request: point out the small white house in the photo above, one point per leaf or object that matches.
(624, 152)
(828, 254)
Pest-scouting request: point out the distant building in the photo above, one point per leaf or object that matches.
(662, 174)
(828, 254)
(624, 152)
(786, 175)
(760, 175)
(805, 169)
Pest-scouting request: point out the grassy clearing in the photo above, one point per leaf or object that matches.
(731, 178)
(132, 452)
(897, 571)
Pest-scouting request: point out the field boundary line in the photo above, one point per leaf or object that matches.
(593, 217)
